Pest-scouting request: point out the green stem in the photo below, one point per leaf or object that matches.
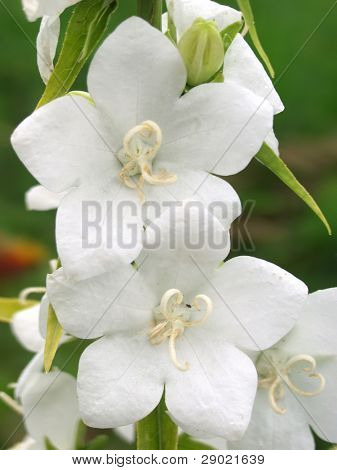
(157, 431)
(151, 11)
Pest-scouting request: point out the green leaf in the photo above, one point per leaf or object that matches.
(49, 445)
(53, 336)
(247, 12)
(86, 27)
(229, 33)
(187, 443)
(9, 306)
(274, 163)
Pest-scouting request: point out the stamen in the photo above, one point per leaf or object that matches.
(11, 403)
(171, 318)
(140, 146)
(25, 293)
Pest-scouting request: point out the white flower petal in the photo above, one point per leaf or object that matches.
(315, 332)
(88, 308)
(215, 396)
(50, 409)
(241, 66)
(43, 318)
(46, 45)
(321, 409)
(39, 198)
(184, 12)
(119, 381)
(258, 303)
(33, 366)
(189, 229)
(130, 72)
(271, 431)
(221, 127)
(128, 433)
(25, 327)
(36, 8)
(98, 228)
(59, 141)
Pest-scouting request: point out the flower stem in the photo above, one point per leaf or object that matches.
(151, 11)
(157, 431)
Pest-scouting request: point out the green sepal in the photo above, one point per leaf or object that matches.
(187, 443)
(274, 163)
(86, 27)
(49, 445)
(229, 33)
(10, 306)
(53, 336)
(248, 15)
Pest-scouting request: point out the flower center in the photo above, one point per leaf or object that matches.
(171, 318)
(274, 376)
(140, 146)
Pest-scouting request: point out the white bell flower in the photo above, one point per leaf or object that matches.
(298, 383)
(47, 402)
(50, 410)
(184, 12)
(140, 141)
(175, 324)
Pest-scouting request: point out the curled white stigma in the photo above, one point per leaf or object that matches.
(25, 293)
(140, 146)
(172, 318)
(275, 382)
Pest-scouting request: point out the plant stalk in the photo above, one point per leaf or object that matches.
(157, 431)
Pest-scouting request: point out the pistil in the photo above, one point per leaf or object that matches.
(172, 317)
(140, 146)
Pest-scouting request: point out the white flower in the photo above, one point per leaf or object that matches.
(176, 322)
(47, 402)
(47, 39)
(184, 12)
(50, 409)
(140, 139)
(298, 382)
(240, 64)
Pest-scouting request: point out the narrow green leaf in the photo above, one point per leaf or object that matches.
(187, 443)
(151, 11)
(274, 163)
(229, 33)
(86, 27)
(247, 12)
(9, 306)
(54, 333)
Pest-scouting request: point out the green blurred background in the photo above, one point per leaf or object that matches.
(283, 229)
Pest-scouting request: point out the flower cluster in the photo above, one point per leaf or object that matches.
(238, 349)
